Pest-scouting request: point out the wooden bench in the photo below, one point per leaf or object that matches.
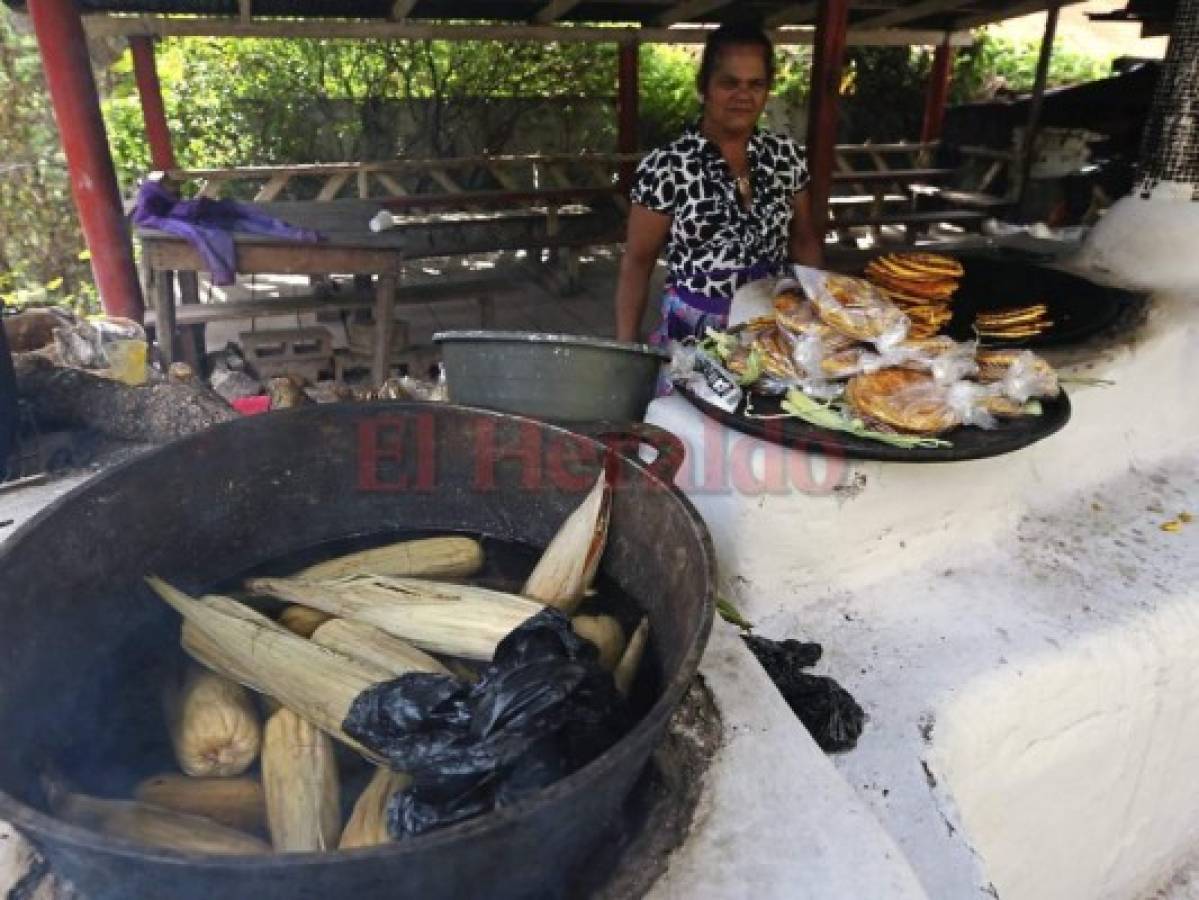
(481, 289)
(892, 176)
(914, 222)
(927, 195)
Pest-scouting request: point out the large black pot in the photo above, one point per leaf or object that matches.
(214, 505)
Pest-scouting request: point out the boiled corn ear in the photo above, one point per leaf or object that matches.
(367, 826)
(438, 557)
(375, 646)
(630, 662)
(299, 778)
(235, 802)
(568, 565)
(213, 724)
(302, 620)
(239, 643)
(607, 635)
(459, 620)
(153, 825)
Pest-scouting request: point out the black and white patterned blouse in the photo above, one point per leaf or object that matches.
(712, 239)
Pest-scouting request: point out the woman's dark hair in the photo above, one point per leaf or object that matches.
(738, 34)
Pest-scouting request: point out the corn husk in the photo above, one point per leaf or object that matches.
(630, 662)
(607, 635)
(439, 557)
(153, 825)
(230, 638)
(235, 802)
(458, 620)
(367, 826)
(566, 569)
(213, 724)
(375, 646)
(302, 620)
(299, 778)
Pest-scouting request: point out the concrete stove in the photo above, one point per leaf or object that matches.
(1019, 630)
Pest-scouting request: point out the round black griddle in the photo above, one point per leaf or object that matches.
(1078, 308)
(968, 442)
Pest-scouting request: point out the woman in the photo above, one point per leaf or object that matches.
(727, 199)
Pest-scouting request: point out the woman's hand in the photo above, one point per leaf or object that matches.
(647, 235)
(805, 246)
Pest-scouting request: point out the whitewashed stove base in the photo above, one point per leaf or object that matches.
(1020, 632)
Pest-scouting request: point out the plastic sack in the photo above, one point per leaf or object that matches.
(969, 403)
(1029, 376)
(541, 710)
(115, 345)
(827, 710)
(853, 306)
(703, 375)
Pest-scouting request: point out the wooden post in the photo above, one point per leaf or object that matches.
(832, 23)
(1038, 97)
(385, 313)
(164, 315)
(937, 94)
(72, 88)
(628, 97)
(154, 114)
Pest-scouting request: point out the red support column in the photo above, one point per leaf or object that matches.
(627, 102)
(149, 90)
(831, 25)
(68, 70)
(937, 94)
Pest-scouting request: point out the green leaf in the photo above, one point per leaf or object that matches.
(54, 283)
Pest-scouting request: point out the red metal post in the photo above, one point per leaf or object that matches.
(627, 101)
(831, 25)
(937, 94)
(68, 70)
(154, 113)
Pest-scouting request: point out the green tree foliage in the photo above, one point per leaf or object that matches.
(993, 63)
(41, 248)
(239, 102)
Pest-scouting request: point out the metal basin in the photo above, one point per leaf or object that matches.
(560, 377)
(209, 507)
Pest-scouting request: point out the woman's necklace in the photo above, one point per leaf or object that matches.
(744, 188)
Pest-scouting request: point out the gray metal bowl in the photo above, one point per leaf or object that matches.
(561, 377)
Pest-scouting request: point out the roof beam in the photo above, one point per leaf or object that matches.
(910, 12)
(554, 10)
(102, 26)
(689, 10)
(795, 14)
(401, 9)
(1008, 12)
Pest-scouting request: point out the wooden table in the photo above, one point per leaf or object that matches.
(349, 248)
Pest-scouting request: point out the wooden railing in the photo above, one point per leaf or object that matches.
(459, 177)
(873, 183)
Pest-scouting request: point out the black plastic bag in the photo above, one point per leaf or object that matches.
(827, 710)
(542, 709)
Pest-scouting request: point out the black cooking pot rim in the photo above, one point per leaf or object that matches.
(539, 337)
(23, 815)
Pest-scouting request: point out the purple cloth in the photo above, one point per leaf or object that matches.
(208, 225)
(688, 314)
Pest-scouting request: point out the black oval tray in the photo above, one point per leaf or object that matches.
(968, 442)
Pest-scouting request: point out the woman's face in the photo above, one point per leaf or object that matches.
(737, 91)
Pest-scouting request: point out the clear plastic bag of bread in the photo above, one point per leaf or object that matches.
(852, 306)
(913, 402)
(1022, 374)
